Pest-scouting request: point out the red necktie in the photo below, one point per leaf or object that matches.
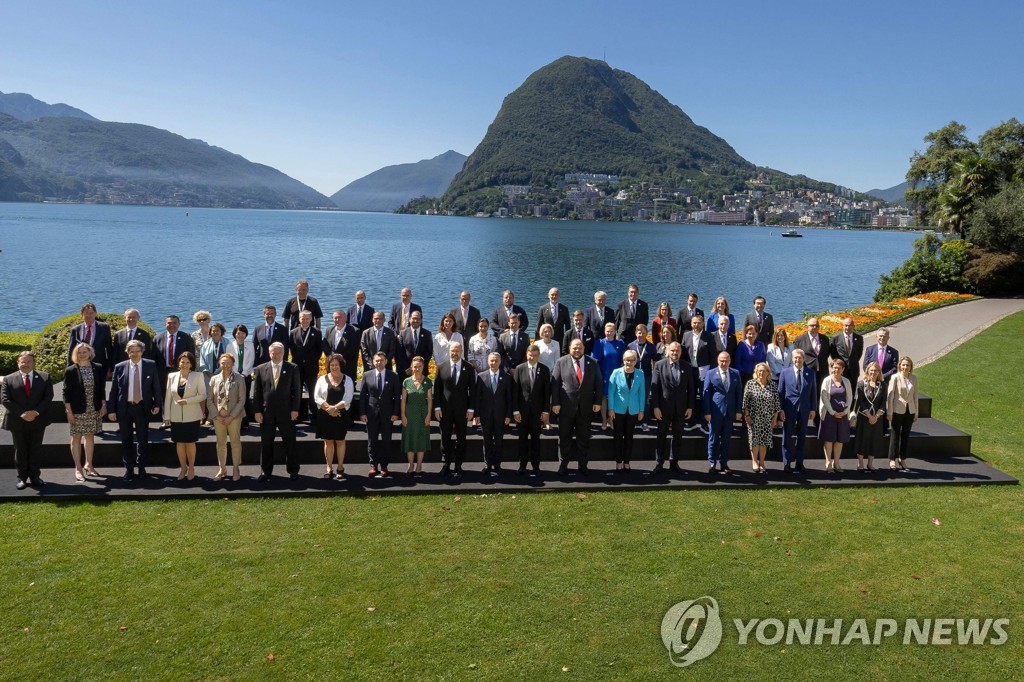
(28, 384)
(579, 373)
(88, 334)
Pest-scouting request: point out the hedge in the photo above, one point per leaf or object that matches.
(51, 345)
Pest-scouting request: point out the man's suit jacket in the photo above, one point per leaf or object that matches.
(889, 364)
(719, 402)
(670, 395)
(261, 343)
(367, 320)
(568, 393)
(513, 357)
(646, 357)
(561, 321)
(493, 404)
(152, 387)
(729, 346)
(816, 361)
(346, 344)
(585, 335)
(277, 402)
(765, 330)
(395, 319)
(625, 323)
(595, 321)
(530, 400)
(707, 350)
(74, 389)
(470, 323)
(121, 341)
(683, 318)
(413, 342)
(383, 404)
(306, 349)
(16, 400)
(455, 399)
(499, 318)
(797, 401)
(102, 342)
(182, 342)
(368, 345)
(851, 355)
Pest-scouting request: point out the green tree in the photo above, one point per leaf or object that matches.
(973, 179)
(935, 265)
(930, 170)
(998, 222)
(1004, 144)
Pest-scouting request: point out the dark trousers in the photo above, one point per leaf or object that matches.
(622, 436)
(134, 426)
(697, 416)
(794, 428)
(271, 425)
(453, 423)
(675, 423)
(718, 439)
(309, 377)
(378, 440)
(529, 439)
(574, 422)
(248, 398)
(494, 439)
(899, 435)
(28, 443)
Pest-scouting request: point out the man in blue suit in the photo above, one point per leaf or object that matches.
(887, 357)
(723, 404)
(360, 316)
(401, 312)
(797, 391)
(96, 334)
(135, 395)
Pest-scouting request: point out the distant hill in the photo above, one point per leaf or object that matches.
(893, 195)
(85, 160)
(392, 186)
(580, 115)
(28, 108)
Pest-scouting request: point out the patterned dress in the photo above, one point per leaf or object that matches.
(762, 402)
(416, 436)
(87, 423)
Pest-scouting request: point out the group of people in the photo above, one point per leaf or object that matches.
(591, 363)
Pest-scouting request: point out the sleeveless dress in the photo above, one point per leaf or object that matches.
(416, 436)
(328, 427)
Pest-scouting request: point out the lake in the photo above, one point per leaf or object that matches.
(232, 262)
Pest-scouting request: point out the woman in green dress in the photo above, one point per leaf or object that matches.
(417, 399)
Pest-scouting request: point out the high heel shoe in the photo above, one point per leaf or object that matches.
(79, 476)
(181, 475)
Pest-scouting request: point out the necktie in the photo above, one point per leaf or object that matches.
(455, 373)
(494, 382)
(88, 334)
(136, 385)
(579, 373)
(725, 380)
(675, 374)
(403, 317)
(170, 349)
(514, 337)
(131, 334)
(277, 374)
(799, 380)
(632, 309)
(380, 383)
(28, 384)
(380, 333)
(464, 317)
(533, 375)
(760, 320)
(814, 344)
(359, 315)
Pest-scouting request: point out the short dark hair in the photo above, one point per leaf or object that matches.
(191, 358)
(88, 306)
(240, 328)
(335, 357)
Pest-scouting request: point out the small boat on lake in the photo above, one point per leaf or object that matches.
(791, 233)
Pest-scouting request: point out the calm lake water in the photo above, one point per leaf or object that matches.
(232, 262)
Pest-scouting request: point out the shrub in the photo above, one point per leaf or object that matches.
(11, 345)
(51, 345)
(935, 265)
(994, 273)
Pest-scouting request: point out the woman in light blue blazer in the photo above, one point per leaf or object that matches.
(626, 394)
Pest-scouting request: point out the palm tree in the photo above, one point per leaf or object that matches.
(973, 178)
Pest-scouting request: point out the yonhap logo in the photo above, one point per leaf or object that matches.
(691, 630)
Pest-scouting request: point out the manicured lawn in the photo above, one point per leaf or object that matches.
(522, 586)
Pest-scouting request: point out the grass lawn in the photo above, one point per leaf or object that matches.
(528, 586)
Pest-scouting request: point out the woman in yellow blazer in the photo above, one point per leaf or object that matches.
(185, 396)
(901, 410)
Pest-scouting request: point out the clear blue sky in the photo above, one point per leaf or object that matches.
(330, 91)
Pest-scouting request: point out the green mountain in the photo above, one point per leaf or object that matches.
(392, 186)
(580, 115)
(28, 108)
(83, 160)
(893, 195)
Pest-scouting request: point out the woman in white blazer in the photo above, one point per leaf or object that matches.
(779, 354)
(185, 396)
(901, 410)
(242, 349)
(834, 402)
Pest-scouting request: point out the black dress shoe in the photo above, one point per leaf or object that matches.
(293, 477)
(263, 478)
(801, 469)
(563, 469)
(535, 473)
(142, 473)
(446, 469)
(583, 470)
(658, 467)
(129, 477)
(521, 471)
(674, 466)
(458, 470)
(726, 470)
(496, 469)
(486, 470)
(788, 468)
(711, 469)
(21, 485)
(35, 481)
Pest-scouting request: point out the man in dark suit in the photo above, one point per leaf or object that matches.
(380, 399)
(377, 339)
(646, 356)
(267, 333)
(401, 312)
(26, 396)
(687, 312)
(887, 357)
(168, 345)
(576, 392)
(494, 409)
(454, 399)
(277, 395)
(508, 307)
(849, 345)
(672, 399)
(343, 338)
(512, 345)
(598, 315)
(554, 313)
(724, 341)
(131, 332)
(467, 317)
(816, 348)
(306, 346)
(630, 312)
(413, 341)
(723, 404)
(763, 322)
(136, 394)
(579, 330)
(299, 302)
(360, 316)
(699, 351)
(798, 395)
(531, 404)
(96, 334)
